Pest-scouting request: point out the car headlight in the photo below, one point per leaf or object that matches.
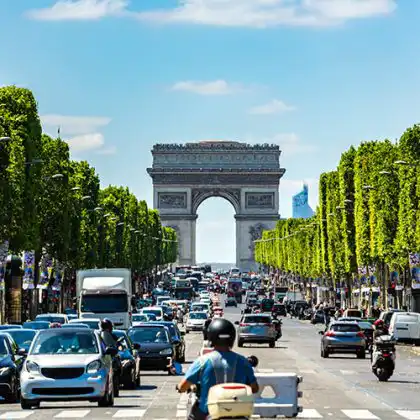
(94, 366)
(4, 371)
(166, 352)
(32, 367)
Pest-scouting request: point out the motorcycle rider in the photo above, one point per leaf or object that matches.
(220, 366)
(380, 330)
(111, 340)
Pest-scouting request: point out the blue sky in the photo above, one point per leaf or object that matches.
(314, 76)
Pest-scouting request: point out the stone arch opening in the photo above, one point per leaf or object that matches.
(231, 196)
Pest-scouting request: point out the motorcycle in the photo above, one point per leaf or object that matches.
(227, 401)
(383, 357)
(278, 323)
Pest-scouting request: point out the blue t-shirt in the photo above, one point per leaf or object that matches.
(202, 371)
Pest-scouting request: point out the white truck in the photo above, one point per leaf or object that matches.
(106, 293)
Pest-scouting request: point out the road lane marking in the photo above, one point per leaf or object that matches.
(120, 414)
(348, 372)
(72, 414)
(409, 414)
(309, 413)
(265, 370)
(12, 415)
(307, 371)
(359, 414)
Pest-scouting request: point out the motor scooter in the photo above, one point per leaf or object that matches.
(383, 357)
(277, 324)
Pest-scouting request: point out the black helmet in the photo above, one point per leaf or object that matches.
(221, 332)
(106, 324)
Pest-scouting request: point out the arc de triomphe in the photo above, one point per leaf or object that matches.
(248, 176)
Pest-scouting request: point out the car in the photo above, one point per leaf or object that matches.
(195, 321)
(11, 361)
(200, 307)
(154, 310)
(279, 309)
(256, 328)
(36, 325)
(350, 319)
(23, 337)
(65, 364)
(231, 301)
(9, 327)
(75, 325)
(93, 323)
(52, 318)
(130, 360)
(343, 337)
(318, 317)
(137, 318)
(177, 338)
(156, 345)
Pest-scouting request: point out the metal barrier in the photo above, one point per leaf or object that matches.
(285, 401)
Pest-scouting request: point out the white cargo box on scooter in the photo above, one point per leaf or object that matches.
(230, 400)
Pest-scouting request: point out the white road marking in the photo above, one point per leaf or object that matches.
(409, 414)
(265, 370)
(12, 415)
(129, 413)
(348, 372)
(359, 414)
(72, 414)
(181, 414)
(308, 413)
(307, 371)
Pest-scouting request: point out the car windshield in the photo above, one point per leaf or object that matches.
(197, 315)
(100, 304)
(345, 328)
(75, 325)
(365, 325)
(50, 318)
(139, 318)
(148, 335)
(200, 308)
(3, 348)
(156, 312)
(23, 338)
(65, 342)
(257, 320)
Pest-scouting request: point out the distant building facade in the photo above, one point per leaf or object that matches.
(301, 207)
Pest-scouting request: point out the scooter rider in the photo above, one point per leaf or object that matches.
(220, 366)
(380, 330)
(111, 340)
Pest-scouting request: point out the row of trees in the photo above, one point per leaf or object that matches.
(55, 206)
(367, 224)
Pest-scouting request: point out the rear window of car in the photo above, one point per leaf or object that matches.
(345, 328)
(365, 325)
(257, 320)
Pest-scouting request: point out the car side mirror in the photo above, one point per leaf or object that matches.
(182, 333)
(136, 346)
(236, 322)
(111, 351)
(21, 352)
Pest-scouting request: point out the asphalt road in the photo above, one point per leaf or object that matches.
(334, 388)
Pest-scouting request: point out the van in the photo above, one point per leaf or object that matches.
(387, 315)
(405, 326)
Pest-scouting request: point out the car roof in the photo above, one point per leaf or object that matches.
(83, 320)
(344, 323)
(264, 314)
(37, 322)
(148, 325)
(18, 329)
(152, 307)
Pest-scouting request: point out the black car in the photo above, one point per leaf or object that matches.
(279, 309)
(130, 360)
(11, 362)
(231, 302)
(177, 338)
(157, 348)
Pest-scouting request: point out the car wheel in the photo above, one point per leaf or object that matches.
(272, 344)
(324, 353)
(187, 331)
(108, 396)
(182, 359)
(132, 383)
(26, 404)
(12, 396)
(240, 343)
(361, 354)
(116, 387)
(138, 379)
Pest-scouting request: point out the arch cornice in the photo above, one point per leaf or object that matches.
(233, 195)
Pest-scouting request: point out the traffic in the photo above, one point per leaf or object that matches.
(111, 341)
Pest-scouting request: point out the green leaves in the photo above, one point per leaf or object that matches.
(368, 215)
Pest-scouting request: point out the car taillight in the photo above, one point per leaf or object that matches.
(385, 354)
(244, 325)
(268, 324)
(360, 334)
(330, 334)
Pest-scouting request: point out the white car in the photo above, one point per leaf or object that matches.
(93, 323)
(66, 364)
(154, 310)
(195, 321)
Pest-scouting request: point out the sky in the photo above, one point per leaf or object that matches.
(314, 76)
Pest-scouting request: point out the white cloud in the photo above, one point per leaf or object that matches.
(273, 107)
(269, 13)
(86, 142)
(74, 125)
(81, 133)
(235, 13)
(216, 87)
(79, 10)
(290, 187)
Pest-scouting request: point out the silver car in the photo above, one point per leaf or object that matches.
(195, 321)
(256, 328)
(67, 364)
